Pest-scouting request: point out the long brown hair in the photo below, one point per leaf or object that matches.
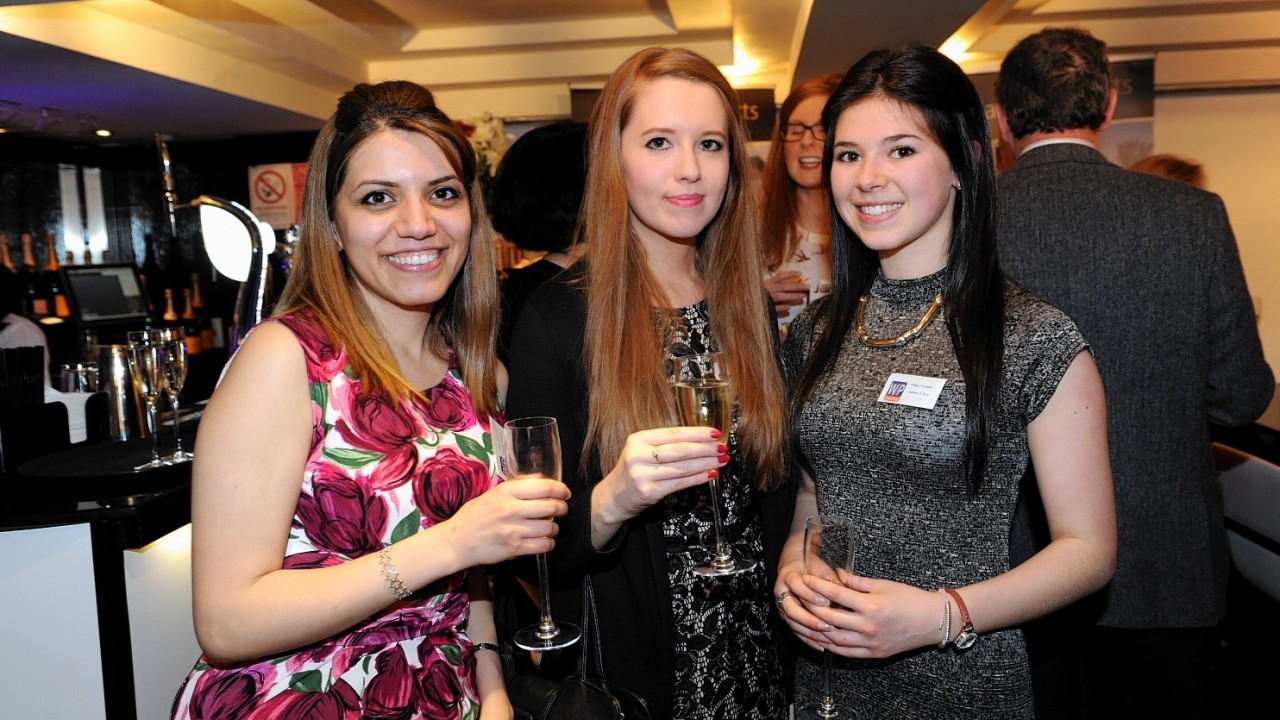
(779, 223)
(628, 390)
(322, 282)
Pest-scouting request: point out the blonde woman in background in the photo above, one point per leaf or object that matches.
(1174, 167)
(796, 220)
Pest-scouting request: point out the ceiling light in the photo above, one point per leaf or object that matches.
(956, 49)
(102, 133)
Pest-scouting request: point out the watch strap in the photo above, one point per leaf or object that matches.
(967, 636)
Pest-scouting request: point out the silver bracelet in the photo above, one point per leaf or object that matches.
(392, 575)
(477, 647)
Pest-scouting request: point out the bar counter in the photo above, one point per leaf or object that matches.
(95, 582)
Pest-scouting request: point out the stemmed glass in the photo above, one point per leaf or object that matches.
(146, 365)
(828, 545)
(704, 397)
(531, 448)
(175, 376)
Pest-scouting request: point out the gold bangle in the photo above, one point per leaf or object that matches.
(392, 575)
(946, 626)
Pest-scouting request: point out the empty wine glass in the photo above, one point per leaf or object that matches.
(531, 448)
(146, 366)
(175, 376)
(704, 397)
(828, 546)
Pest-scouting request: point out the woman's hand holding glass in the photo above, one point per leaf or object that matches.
(788, 289)
(860, 617)
(510, 519)
(655, 463)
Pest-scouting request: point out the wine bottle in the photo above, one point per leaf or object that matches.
(190, 326)
(5, 258)
(28, 254)
(202, 314)
(53, 281)
(69, 259)
(149, 273)
(57, 296)
(37, 301)
(51, 254)
(88, 256)
(170, 313)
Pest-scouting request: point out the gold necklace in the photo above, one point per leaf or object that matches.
(905, 337)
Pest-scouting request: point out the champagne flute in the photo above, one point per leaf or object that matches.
(146, 366)
(704, 397)
(828, 545)
(531, 448)
(175, 375)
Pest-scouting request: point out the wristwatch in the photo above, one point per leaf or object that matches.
(967, 636)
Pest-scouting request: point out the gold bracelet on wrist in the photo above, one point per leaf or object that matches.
(946, 622)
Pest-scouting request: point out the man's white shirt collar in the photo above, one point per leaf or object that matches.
(1056, 141)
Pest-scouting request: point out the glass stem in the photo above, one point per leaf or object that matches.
(153, 411)
(177, 431)
(721, 550)
(546, 626)
(828, 701)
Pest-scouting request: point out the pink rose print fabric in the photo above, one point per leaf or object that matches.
(377, 473)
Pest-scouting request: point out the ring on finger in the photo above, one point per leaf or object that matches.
(654, 451)
(782, 596)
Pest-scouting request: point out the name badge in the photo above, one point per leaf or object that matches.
(913, 390)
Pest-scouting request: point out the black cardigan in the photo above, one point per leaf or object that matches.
(629, 576)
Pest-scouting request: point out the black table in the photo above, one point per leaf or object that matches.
(126, 509)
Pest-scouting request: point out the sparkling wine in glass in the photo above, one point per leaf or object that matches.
(532, 449)
(828, 546)
(704, 398)
(175, 375)
(146, 366)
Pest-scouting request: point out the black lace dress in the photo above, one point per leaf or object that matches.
(726, 659)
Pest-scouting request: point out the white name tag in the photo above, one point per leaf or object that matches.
(913, 390)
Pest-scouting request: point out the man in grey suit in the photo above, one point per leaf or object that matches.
(1149, 270)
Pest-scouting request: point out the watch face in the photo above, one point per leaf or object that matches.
(966, 639)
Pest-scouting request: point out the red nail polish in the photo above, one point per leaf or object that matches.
(723, 458)
(722, 448)
(713, 474)
(715, 434)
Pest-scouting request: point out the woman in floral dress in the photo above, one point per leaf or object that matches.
(345, 478)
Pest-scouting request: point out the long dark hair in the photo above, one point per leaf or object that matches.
(920, 77)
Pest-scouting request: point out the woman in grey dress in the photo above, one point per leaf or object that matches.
(924, 385)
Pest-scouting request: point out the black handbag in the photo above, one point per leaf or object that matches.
(585, 695)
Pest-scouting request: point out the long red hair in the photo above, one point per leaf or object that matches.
(628, 390)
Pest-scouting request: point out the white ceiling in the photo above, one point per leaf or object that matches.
(195, 69)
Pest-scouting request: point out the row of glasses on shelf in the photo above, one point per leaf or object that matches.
(158, 365)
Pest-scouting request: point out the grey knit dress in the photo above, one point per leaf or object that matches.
(896, 471)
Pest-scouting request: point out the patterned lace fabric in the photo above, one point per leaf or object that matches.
(726, 660)
(377, 472)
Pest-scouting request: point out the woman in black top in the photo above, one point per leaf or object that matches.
(672, 265)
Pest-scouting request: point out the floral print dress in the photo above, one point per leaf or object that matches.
(377, 473)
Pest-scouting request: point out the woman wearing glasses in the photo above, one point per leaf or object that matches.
(796, 223)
